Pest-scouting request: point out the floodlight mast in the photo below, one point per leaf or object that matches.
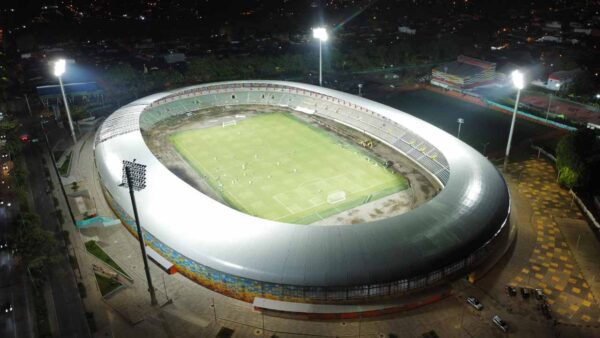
(550, 100)
(320, 33)
(60, 66)
(138, 182)
(519, 82)
(460, 122)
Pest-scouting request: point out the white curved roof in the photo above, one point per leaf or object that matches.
(463, 217)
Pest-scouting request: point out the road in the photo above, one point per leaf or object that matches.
(14, 287)
(68, 307)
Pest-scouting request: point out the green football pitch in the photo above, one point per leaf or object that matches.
(278, 167)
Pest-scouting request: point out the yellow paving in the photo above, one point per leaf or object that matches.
(551, 265)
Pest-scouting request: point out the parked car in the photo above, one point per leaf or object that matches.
(525, 292)
(475, 303)
(7, 307)
(546, 310)
(512, 291)
(500, 323)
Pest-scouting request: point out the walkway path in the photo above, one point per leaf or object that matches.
(554, 264)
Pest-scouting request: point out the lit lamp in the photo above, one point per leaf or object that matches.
(557, 85)
(320, 33)
(59, 69)
(519, 82)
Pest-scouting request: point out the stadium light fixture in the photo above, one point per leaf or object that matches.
(519, 82)
(60, 67)
(320, 33)
(134, 177)
(518, 79)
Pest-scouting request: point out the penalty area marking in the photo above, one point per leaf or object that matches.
(336, 197)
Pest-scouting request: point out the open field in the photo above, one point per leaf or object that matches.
(483, 129)
(277, 167)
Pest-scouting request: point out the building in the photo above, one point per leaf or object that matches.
(79, 92)
(407, 30)
(559, 80)
(261, 261)
(464, 73)
(172, 58)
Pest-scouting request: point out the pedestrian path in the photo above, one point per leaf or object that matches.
(552, 266)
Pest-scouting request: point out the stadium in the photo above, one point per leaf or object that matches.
(289, 192)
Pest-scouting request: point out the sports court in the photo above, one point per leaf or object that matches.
(278, 167)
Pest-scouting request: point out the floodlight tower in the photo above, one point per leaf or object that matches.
(320, 33)
(519, 82)
(134, 177)
(557, 85)
(460, 122)
(60, 66)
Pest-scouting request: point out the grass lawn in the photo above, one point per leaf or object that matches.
(93, 248)
(64, 168)
(106, 284)
(277, 167)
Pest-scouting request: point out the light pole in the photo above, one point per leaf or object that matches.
(59, 69)
(519, 82)
(134, 177)
(485, 147)
(460, 122)
(360, 85)
(550, 101)
(320, 33)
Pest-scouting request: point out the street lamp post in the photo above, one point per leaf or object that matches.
(320, 33)
(360, 85)
(519, 83)
(460, 122)
(550, 101)
(134, 177)
(59, 70)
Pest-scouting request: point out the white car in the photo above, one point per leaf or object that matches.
(500, 323)
(475, 302)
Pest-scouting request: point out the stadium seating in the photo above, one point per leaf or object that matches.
(405, 141)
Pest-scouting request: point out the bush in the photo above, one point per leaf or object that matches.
(82, 291)
(60, 216)
(91, 321)
(65, 236)
(570, 153)
(73, 262)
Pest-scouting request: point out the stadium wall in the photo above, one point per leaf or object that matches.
(247, 289)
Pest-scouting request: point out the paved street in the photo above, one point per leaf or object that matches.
(67, 305)
(14, 283)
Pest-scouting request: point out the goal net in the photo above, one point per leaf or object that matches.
(336, 197)
(229, 123)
